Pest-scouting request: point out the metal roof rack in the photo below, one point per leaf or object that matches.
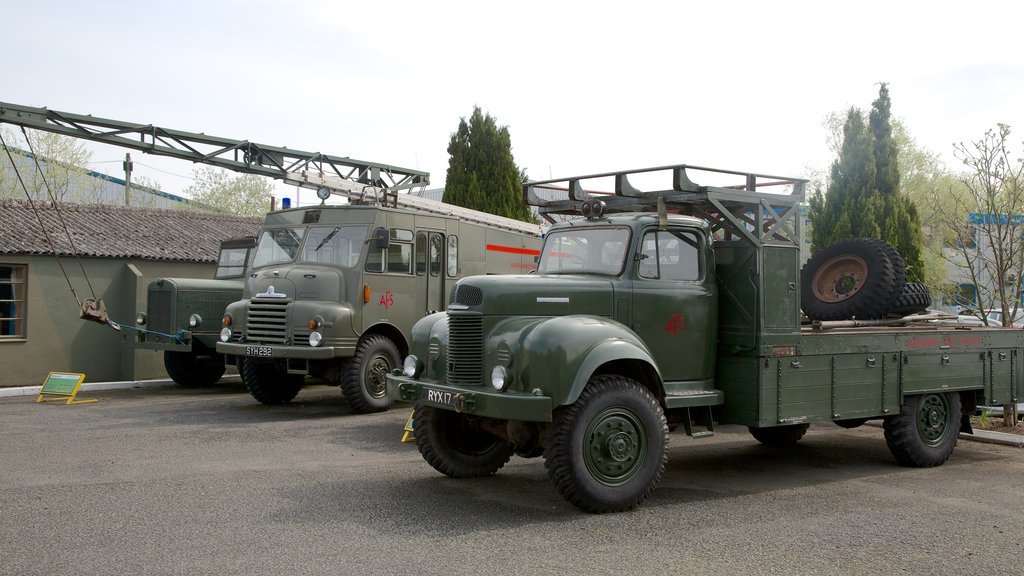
(739, 211)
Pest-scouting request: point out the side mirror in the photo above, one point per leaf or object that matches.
(381, 239)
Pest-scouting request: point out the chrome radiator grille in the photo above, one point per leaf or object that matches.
(268, 321)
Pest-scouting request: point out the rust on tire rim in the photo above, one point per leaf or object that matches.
(839, 278)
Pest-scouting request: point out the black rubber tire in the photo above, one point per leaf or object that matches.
(925, 432)
(899, 265)
(842, 297)
(780, 435)
(914, 299)
(193, 368)
(269, 386)
(362, 380)
(451, 443)
(606, 452)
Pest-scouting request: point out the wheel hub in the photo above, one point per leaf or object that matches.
(615, 443)
(931, 421)
(839, 278)
(376, 374)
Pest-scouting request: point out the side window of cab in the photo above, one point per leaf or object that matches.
(670, 255)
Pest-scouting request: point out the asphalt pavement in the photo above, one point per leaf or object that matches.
(159, 479)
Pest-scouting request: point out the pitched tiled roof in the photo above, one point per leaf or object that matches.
(106, 231)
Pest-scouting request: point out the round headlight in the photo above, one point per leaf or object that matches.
(411, 367)
(141, 318)
(195, 321)
(315, 338)
(499, 377)
(225, 335)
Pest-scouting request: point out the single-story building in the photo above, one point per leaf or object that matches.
(119, 252)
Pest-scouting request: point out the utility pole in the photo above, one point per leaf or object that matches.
(127, 178)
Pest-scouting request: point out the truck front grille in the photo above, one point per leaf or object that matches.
(268, 321)
(159, 311)
(465, 349)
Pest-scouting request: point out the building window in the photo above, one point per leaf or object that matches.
(12, 301)
(966, 295)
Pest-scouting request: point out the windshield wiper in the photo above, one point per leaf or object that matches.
(327, 239)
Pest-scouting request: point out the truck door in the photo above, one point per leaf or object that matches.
(430, 270)
(674, 303)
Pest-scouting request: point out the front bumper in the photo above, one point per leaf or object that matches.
(278, 351)
(476, 401)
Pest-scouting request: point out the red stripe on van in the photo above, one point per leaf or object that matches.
(512, 250)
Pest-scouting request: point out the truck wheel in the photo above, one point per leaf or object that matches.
(926, 429)
(363, 379)
(193, 369)
(780, 435)
(451, 443)
(915, 298)
(899, 265)
(606, 451)
(269, 386)
(849, 279)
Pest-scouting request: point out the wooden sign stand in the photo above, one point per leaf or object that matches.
(62, 385)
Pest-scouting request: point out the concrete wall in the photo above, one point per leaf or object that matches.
(58, 340)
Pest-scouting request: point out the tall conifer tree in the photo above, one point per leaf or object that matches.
(864, 199)
(482, 174)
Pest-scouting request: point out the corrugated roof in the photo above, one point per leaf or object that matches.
(105, 231)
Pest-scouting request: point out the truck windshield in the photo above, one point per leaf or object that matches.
(334, 245)
(590, 251)
(278, 245)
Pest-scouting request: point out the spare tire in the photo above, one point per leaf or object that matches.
(899, 265)
(849, 279)
(915, 298)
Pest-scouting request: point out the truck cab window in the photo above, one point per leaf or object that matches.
(278, 245)
(334, 245)
(584, 251)
(670, 255)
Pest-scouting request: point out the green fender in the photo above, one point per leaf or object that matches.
(563, 352)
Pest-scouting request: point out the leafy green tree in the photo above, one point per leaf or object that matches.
(62, 160)
(482, 174)
(244, 195)
(864, 197)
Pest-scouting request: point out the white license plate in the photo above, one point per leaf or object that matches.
(261, 351)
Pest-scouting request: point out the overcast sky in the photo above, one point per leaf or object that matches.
(583, 87)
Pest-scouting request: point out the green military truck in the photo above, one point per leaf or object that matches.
(679, 305)
(183, 316)
(334, 290)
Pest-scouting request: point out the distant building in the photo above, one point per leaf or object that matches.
(92, 188)
(121, 250)
(966, 293)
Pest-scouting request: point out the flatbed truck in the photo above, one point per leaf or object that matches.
(680, 306)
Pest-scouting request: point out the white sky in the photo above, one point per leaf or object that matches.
(583, 87)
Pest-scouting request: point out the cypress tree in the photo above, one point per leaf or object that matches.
(482, 174)
(864, 198)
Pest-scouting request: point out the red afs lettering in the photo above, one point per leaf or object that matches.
(387, 299)
(675, 324)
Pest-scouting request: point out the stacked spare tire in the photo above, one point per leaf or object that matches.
(860, 279)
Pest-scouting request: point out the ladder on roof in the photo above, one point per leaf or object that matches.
(739, 211)
(357, 180)
(366, 194)
(237, 155)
